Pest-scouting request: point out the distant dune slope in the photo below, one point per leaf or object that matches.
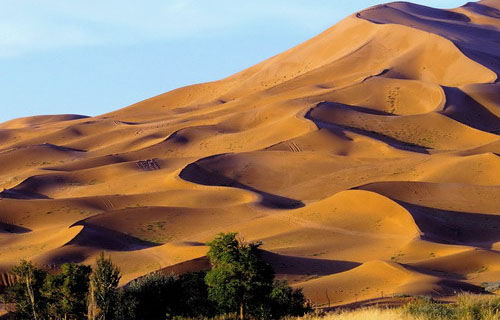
(366, 159)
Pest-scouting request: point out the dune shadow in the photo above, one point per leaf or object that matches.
(479, 43)
(65, 254)
(192, 244)
(12, 228)
(450, 287)
(21, 194)
(293, 265)
(196, 173)
(462, 108)
(483, 9)
(334, 106)
(452, 227)
(193, 265)
(436, 273)
(93, 236)
(282, 264)
(61, 148)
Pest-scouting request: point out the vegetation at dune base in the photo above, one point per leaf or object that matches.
(40, 295)
(241, 282)
(467, 307)
(240, 285)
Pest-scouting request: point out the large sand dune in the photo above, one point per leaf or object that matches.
(366, 159)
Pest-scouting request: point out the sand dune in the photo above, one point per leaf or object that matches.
(366, 159)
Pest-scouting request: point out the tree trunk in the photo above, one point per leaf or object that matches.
(242, 311)
(91, 302)
(31, 294)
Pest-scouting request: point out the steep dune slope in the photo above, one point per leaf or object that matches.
(366, 159)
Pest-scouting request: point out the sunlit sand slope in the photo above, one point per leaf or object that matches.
(366, 159)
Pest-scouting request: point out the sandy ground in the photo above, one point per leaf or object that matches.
(366, 160)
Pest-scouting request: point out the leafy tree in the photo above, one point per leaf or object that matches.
(240, 281)
(103, 289)
(26, 291)
(152, 297)
(125, 305)
(66, 292)
(159, 296)
(194, 296)
(286, 301)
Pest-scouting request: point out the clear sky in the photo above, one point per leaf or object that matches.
(94, 56)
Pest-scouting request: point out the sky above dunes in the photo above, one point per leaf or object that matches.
(91, 57)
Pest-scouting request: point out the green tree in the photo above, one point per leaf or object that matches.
(286, 301)
(26, 291)
(158, 296)
(103, 289)
(152, 297)
(66, 292)
(194, 296)
(240, 281)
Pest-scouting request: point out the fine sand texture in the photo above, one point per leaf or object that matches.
(366, 159)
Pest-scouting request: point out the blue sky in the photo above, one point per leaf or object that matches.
(94, 56)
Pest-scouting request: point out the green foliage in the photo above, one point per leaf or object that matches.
(477, 307)
(26, 293)
(151, 297)
(427, 307)
(491, 286)
(40, 295)
(241, 282)
(287, 301)
(158, 296)
(468, 307)
(66, 292)
(103, 291)
(194, 295)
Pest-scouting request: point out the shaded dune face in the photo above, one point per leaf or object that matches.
(366, 159)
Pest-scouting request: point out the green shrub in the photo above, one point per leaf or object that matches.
(194, 295)
(103, 292)
(26, 293)
(491, 286)
(151, 297)
(66, 292)
(472, 307)
(286, 301)
(241, 282)
(429, 309)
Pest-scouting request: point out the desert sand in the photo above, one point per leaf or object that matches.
(366, 159)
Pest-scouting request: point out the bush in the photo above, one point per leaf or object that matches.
(66, 292)
(194, 294)
(429, 308)
(286, 301)
(26, 293)
(103, 293)
(491, 286)
(40, 295)
(468, 307)
(241, 282)
(159, 296)
(151, 297)
(477, 307)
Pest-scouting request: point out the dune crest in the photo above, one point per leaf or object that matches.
(366, 159)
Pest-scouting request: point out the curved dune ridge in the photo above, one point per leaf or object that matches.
(366, 159)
